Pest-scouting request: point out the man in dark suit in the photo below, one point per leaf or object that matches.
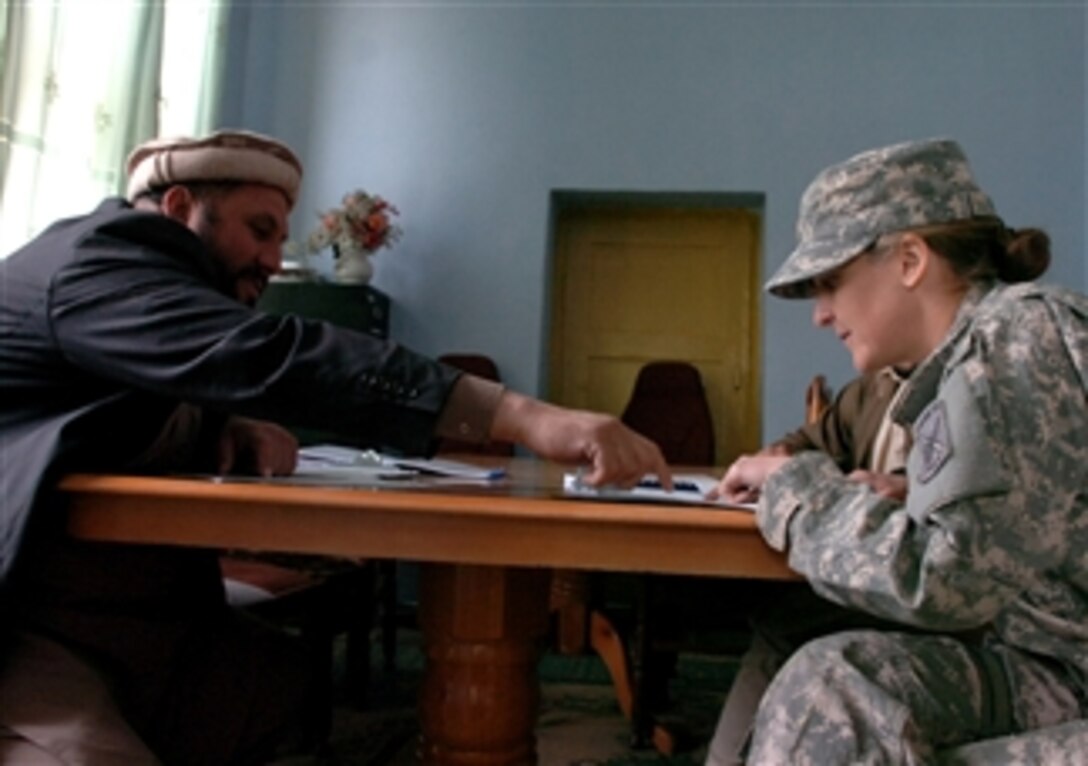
(131, 342)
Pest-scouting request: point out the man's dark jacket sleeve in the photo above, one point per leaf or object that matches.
(109, 322)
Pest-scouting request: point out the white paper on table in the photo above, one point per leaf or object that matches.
(347, 474)
(689, 489)
(330, 458)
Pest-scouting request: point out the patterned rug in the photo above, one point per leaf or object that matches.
(580, 722)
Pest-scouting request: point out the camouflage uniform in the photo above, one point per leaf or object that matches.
(994, 534)
(993, 537)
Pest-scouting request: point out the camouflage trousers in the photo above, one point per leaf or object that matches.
(787, 616)
(874, 697)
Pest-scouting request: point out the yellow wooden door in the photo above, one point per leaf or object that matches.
(633, 286)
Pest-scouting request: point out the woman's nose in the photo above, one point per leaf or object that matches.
(821, 313)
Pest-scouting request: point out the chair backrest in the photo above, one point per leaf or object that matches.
(668, 405)
(484, 367)
(817, 398)
(476, 364)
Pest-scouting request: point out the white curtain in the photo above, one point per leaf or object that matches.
(84, 82)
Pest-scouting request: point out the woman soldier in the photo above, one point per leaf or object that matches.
(986, 561)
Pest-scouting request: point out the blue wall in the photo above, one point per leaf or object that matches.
(467, 115)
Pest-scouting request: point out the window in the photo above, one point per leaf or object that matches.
(82, 83)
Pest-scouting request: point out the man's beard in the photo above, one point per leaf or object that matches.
(229, 282)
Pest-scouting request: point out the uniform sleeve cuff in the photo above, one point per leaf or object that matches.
(788, 491)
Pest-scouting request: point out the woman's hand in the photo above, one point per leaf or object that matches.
(743, 481)
(256, 447)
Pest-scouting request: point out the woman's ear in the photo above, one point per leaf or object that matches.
(178, 203)
(915, 260)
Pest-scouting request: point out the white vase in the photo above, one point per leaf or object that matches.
(353, 266)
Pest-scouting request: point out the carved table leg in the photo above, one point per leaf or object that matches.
(483, 629)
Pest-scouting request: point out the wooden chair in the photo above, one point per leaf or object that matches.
(818, 397)
(668, 405)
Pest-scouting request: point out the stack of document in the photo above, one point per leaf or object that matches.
(331, 463)
(688, 488)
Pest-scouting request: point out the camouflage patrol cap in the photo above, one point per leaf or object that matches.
(849, 206)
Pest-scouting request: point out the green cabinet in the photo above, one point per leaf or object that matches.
(359, 307)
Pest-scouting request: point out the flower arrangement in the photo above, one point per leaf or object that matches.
(362, 222)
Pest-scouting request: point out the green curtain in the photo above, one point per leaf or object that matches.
(84, 82)
(192, 70)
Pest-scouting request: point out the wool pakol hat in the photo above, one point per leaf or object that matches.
(849, 206)
(226, 155)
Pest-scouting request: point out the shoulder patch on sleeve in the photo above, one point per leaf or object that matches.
(955, 455)
(933, 440)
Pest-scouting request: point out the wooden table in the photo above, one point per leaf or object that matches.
(486, 554)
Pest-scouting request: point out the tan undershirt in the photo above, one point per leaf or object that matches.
(892, 441)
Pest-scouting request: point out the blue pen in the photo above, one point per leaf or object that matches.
(678, 486)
